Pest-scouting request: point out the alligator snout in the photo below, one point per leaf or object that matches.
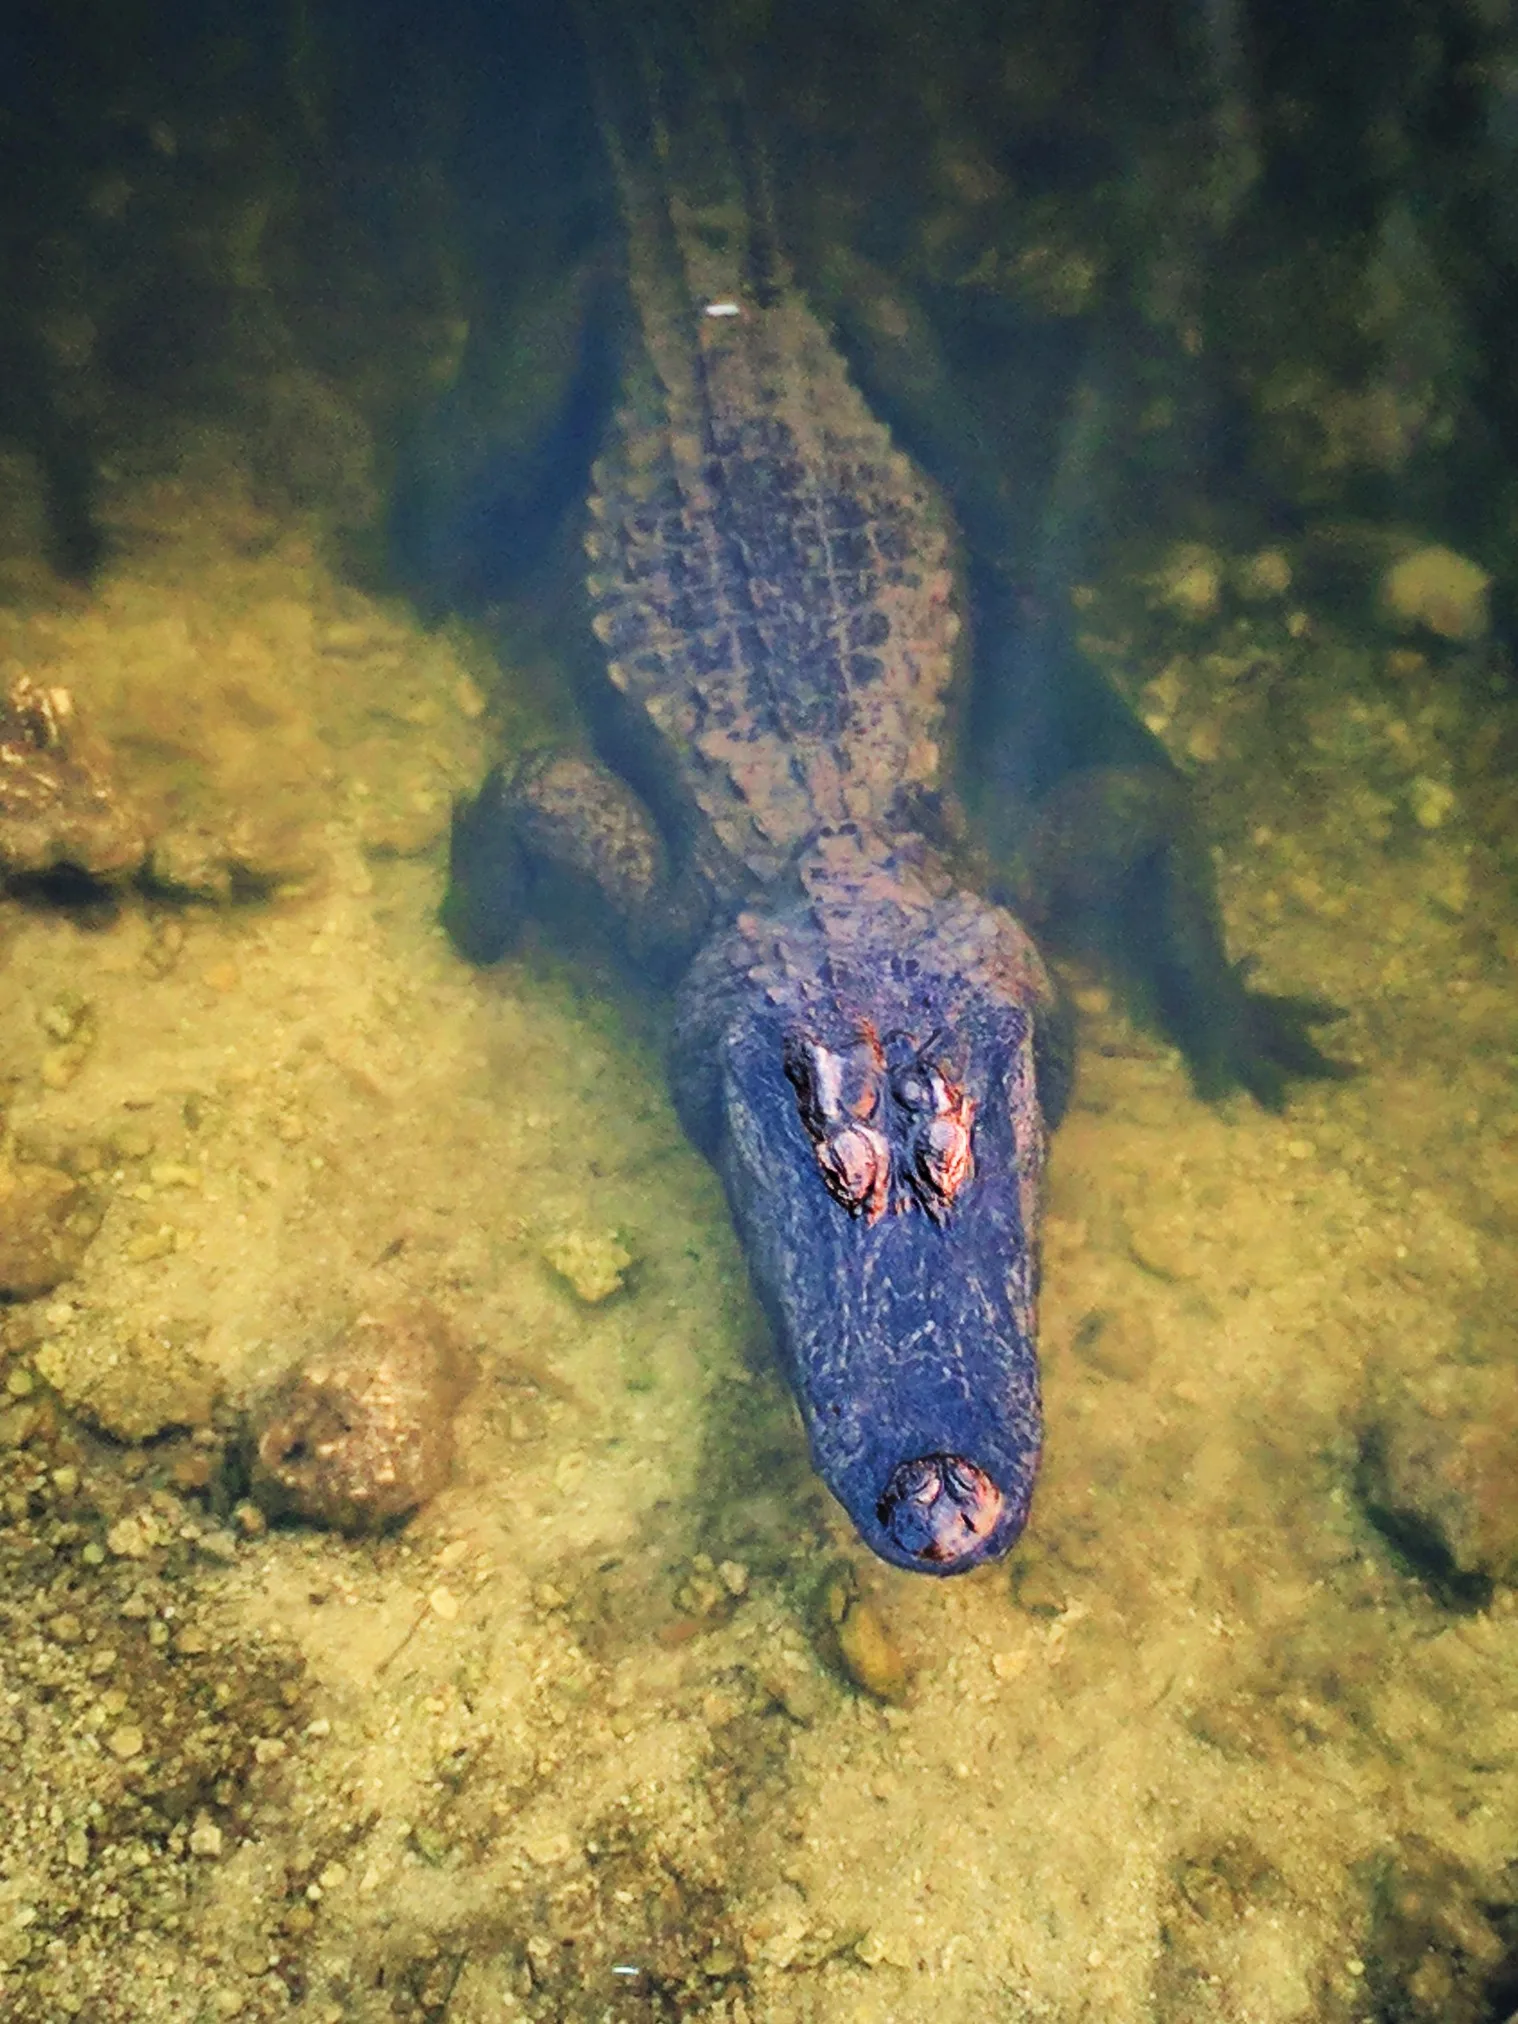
(878, 1128)
(939, 1509)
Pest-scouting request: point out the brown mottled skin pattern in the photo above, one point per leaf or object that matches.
(773, 586)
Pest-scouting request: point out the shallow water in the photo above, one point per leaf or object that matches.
(580, 1740)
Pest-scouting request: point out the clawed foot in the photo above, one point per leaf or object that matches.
(1263, 1043)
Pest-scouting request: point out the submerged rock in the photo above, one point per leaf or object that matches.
(866, 1651)
(593, 1264)
(1438, 590)
(1440, 1472)
(1436, 1946)
(136, 1389)
(871, 1656)
(47, 1222)
(360, 1434)
(60, 804)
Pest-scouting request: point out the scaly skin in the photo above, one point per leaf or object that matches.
(855, 1045)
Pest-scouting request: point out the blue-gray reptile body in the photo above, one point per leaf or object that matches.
(860, 1039)
(773, 583)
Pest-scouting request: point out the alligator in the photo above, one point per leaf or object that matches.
(870, 1050)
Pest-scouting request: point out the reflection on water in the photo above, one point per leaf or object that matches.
(622, 1723)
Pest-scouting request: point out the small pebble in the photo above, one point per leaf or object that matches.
(1163, 1245)
(1263, 576)
(64, 1018)
(871, 1657)
(128, 1540)
(1191, 582)
(1432, 802)
(151, 1244)
(18, 1425)
(593, 1266)
(192, 1472)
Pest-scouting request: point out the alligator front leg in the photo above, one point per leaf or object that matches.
(1113, 865)
(1094, 840)
(567, 839)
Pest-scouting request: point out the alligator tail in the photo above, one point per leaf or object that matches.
(695, 186)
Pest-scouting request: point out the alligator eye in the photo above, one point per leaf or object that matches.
(856, 1166)
(815, 1073)
(944, 1159)
(834, 1084)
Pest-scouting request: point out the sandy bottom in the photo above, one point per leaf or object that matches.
(577, 1743)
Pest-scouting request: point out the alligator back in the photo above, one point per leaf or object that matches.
(771, 577)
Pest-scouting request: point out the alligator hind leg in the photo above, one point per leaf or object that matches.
(567, 839)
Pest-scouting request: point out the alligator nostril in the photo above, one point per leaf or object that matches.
(940, 1508)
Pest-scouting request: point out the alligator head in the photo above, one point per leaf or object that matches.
(884, 1178)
